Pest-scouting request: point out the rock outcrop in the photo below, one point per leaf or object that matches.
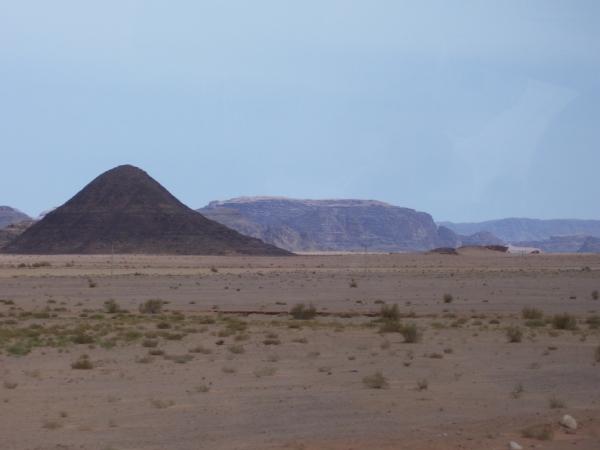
(126, 208)
(278, 235)
(9, 232)
(10, 215)
(341, 224)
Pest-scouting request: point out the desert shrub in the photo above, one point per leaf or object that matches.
(535, 323)
(555, 402)
(514, 333)
(448, 298)
(111, 306)
(593, 321)
(353, 283)
(422, 384)
(151, 306)
(156, 352)
(181, 359)
(227, 369)
(517, 391)
(19, 349)
(532, 313)
(92, 283)
(436, 355)
(303, 312)
(144, 360)
(448, 350)
(375, 381)
(10, 385)
(83, 363)
(149, 343)
(82, 338)
(202, 388)
(595, 294)
(597, 354)
(272, 342)
(200, 349)
(160, 404)
(52, 425)
(411, 333)
(238, 349)
(389, 312)
(242, 337)
(541, 434)
(265, 372)
(163, 325)
(564, 321)
(301, 340)
(41, 264)
(390, 326)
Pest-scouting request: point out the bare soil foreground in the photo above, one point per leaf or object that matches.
(225, 365)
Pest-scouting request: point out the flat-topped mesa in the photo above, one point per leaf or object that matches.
(128, 210)
(339, 224)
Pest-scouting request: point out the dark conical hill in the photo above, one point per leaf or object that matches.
(128, 208)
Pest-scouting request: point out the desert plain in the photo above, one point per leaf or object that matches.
(225, 365)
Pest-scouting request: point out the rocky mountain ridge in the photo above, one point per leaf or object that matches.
(10, 215)
(127, 209)
(521, 229)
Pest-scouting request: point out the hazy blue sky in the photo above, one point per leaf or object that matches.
(468, 110)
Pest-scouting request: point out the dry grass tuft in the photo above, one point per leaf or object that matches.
(376, 381)
(265, 372)
(161, 404)
(52, 425)
(83, 363)
(151, 306)
(200, 349)
(564, 321)
(303, 312)
(514, 333)
(541, 434)
(411, 333)
(532, 313)
(390, 312)
(555, 402)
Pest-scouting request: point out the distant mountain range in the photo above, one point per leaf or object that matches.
(348, 225)
(10, 215)
(521, 230)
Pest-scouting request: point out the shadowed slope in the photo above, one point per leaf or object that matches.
(126, 207)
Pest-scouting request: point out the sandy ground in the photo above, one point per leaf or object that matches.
(259, 379)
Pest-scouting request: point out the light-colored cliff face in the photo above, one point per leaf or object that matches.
(336, 224)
